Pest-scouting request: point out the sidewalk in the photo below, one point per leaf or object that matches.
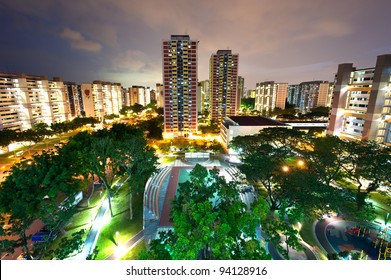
(124, 248)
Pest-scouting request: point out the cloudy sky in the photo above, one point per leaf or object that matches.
(121, 40)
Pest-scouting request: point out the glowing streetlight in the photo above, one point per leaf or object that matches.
(285, 168)
(300, 163)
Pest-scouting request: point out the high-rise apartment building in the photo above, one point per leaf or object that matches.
(270, 95)
(240, 91)
(205, 97)
(101, 98)
(26, 100)
(361, 105)
(140, 95)
(223, 79)
(313, 94)
(74, 96)
(180, 86)
(294, 95)
(308, 95)
(159, 95)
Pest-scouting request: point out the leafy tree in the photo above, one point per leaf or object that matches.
(277, 137)
(99, 155)
(42, 129)
(280, 229)
(210, 222)
(68, 246)
(7, 136)
(133, 156)
(326, 156)
(137, 108)
(33, 190)
(247, 104)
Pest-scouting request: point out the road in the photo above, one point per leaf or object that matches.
(35, 227)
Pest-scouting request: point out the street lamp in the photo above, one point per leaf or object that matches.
(300, 162)
(285, 168)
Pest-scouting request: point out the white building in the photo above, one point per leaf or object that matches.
(101, 98)
(270, 95)
(361, 105)
(26, 100)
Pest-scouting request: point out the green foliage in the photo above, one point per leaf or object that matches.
(247, 104)
(311, 187)
(31, 191)
(111, 117)
(70, 246)
(210, 222)
(280, 229)
(212, 128)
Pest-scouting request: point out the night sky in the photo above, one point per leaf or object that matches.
(121, 40)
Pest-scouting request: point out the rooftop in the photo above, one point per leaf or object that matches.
(255, 121)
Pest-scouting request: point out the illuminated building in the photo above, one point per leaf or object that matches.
(140, 95)
(308, 95)
(180, 86)
(26, 100)
(240, 91)
(204, 100)
(159, 95)
(270, 95)
(223, 78)
(101, 98)
(361, 104)
(74, 96)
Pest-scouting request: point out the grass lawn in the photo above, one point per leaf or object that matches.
(121, 223)
(382, 202)
(167, 160)
(307, 234)
(382, 205)
(132, 254)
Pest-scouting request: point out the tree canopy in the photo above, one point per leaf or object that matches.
(210, 222)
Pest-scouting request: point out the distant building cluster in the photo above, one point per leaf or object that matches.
(308, 95)
(27, 99)
(360, 99)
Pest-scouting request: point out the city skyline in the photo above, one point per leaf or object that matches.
(121, 41)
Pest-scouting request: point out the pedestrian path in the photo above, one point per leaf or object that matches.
(124, 248)
(94, 232)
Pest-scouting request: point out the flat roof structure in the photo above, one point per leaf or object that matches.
(255, 121)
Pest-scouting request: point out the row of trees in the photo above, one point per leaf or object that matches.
(41, 130)
(300, 175)
(271, 160)
(33, 188)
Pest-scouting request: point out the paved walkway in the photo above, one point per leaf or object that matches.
(127, 246)
(93, 234)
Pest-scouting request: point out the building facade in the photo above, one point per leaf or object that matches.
(180, 86)
(361, 104)
(270, 95)
(159, 95)
(223, 77)
(240, 91)
(26, 100)
(233, 126)
(140, 95)
(205, 97)
(101, 98)
(74, 96)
